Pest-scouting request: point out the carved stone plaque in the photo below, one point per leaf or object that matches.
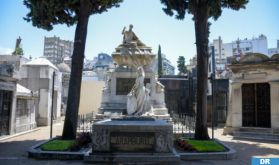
(124, 85)
(132, 141)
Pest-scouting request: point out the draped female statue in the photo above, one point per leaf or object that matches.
(138, 98)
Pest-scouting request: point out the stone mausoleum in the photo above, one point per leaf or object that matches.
(254, 95)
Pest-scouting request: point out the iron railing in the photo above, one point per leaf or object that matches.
(184, 125)
(85, 122)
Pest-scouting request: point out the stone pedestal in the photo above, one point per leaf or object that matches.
(132, 135)
(138, 139)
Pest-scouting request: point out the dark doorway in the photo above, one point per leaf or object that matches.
(256, 105)
(5, 109)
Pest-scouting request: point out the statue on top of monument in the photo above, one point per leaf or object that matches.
(129, 37)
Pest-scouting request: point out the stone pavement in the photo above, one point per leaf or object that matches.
(13, 150)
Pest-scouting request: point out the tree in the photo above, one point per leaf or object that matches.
(160, 62)
(181, 65)
(47, 13)
(18, 51)
(201, 10)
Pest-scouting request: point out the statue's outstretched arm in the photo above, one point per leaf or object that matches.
(123, 29)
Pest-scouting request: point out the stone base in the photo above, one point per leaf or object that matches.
(160, 158)
(228, 130)
(99, 117)
(162, 117)
(132, 134)
(160, 111)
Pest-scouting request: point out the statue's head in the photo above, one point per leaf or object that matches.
(131, 26)
(140, 71)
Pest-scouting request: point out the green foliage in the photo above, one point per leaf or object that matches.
(58, 145)
(83, 140)
(200, 145)
(201, 10)
(18, 51)
(180, 7)
(47, 13)
(206, 145)
(181, 65)
(160, 62)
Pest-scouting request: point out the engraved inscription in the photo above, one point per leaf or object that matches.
(132, 141)
(124, 85)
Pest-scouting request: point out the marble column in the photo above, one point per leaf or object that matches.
(234, 117)
(274, 107)
(236, 104)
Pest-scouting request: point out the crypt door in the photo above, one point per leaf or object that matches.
(256, 105)
(5, 109)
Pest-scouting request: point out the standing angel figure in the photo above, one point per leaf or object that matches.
(138, 98)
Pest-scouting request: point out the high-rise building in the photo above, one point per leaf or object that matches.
(240, 47)
(273, 51)
(236, 49)
(55, 49)
(168, 68)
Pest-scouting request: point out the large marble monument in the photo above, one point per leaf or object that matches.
(132, 87)
(132, 126)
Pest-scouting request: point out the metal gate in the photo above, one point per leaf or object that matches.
(256, 105)
(179, 94)
(5, 109)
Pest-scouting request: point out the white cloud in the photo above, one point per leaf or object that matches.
(5, 51)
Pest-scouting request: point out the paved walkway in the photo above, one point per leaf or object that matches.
(16, 147)
(13, 150)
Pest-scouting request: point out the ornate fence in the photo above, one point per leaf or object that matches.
(85, 122)
(184, 125)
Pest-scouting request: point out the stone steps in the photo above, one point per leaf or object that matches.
(133, 158)
(256, 135)
(255, 129)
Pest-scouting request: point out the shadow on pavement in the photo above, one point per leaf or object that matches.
(13, 149)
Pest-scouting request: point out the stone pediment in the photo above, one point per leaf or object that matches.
(275, 57)
(133, 55)
(64, 68)
(253, 58)
(254, 61)
(133, 60)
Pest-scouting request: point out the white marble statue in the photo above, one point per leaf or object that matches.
(138, 98)
(129, 37)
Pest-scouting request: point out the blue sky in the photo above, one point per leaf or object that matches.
(151, 25)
